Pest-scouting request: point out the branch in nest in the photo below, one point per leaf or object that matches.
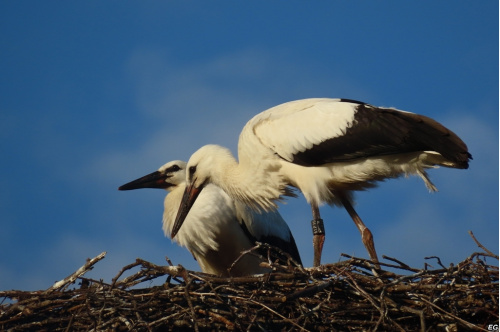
(63, 284)
(342, 296)
(481, 246)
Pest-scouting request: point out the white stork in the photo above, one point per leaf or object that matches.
(327, 148)
(217, 229)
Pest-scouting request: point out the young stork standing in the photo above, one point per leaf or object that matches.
(217, 229)
(327, 148)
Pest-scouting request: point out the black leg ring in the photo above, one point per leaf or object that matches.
(318, 227)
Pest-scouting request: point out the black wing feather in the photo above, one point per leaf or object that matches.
(289, 247)
(385, 131)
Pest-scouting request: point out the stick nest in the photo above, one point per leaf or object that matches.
(352, 295)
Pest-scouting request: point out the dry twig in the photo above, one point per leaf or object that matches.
(345, 296)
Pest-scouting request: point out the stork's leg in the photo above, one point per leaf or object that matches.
(318, 234)
(366, 235)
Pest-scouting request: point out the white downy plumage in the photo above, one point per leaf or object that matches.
(217, 229)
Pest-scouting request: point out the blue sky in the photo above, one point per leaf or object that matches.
(97, 93)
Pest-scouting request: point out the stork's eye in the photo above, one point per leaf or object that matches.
(172, 169)
(192, 170)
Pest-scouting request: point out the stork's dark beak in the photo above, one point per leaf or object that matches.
(188, 199)
(153, 180)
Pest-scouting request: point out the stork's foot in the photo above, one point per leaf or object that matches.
(318, 240)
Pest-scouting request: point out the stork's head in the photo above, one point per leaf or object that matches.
(207, 165)
(166, 177)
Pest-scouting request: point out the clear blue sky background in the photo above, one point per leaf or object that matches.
(97, 93)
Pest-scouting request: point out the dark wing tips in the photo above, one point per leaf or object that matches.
(293, 250)
(379, 131)
(289, 247)
(440, 139)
